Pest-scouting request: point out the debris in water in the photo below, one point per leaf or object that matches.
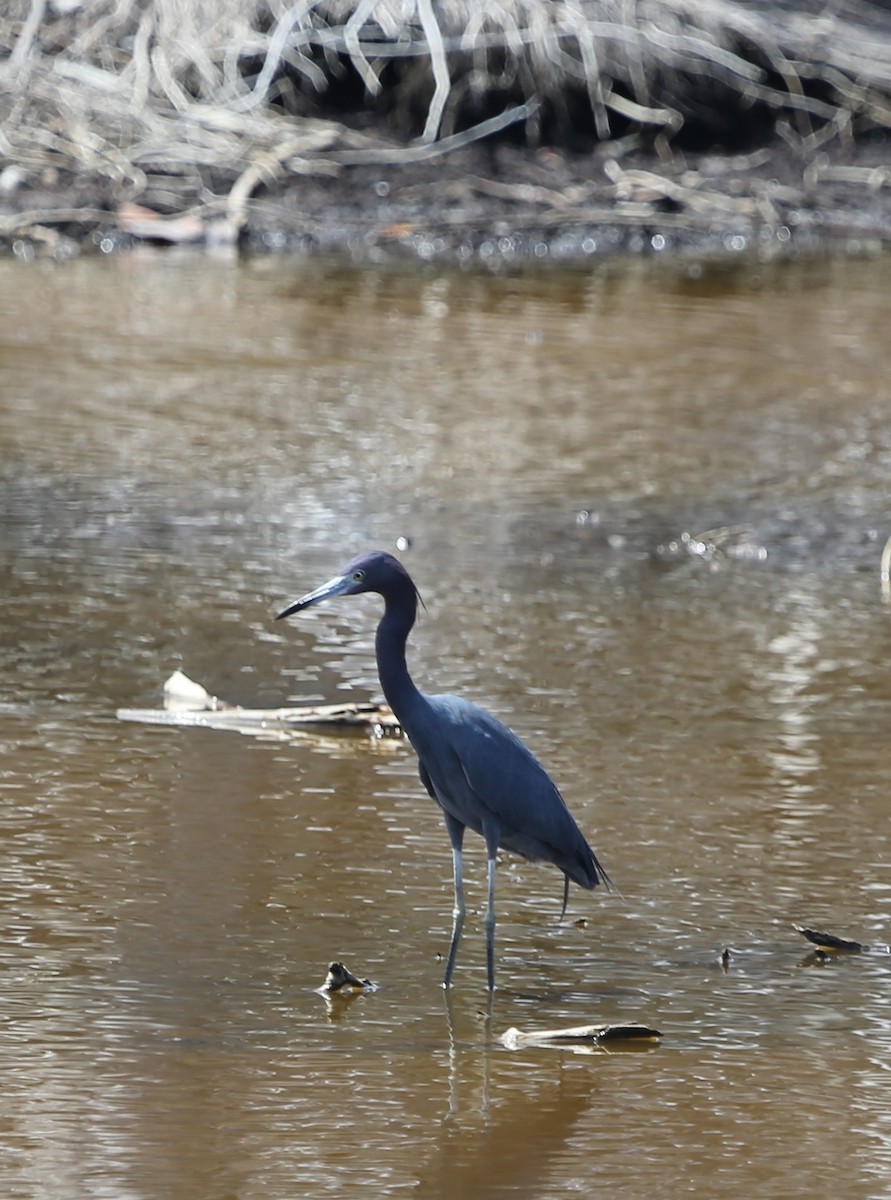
(829, 941)
(188, 703)
(182, 692)
(340, 979)
(579, 1036)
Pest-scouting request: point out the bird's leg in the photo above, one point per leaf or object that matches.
(490, 924)
(456, 834)
(565, 896)
(492, 835)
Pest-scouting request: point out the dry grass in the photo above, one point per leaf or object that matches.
(195, 102)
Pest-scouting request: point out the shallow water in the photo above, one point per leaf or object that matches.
(646, 507)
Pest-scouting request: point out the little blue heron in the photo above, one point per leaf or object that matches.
(476, 769)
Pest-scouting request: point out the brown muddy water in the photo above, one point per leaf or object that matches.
(646, 507)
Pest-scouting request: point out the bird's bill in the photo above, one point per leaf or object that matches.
(337, 586)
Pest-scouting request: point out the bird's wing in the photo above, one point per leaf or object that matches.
(426, 780)
(487, 780)
(488, 775)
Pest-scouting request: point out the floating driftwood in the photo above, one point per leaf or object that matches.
(340, 980)
(188, 703)
(828, 942)
(579, 1036)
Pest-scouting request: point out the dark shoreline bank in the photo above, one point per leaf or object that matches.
(502, 205)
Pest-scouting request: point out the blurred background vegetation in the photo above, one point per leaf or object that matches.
(178, 104)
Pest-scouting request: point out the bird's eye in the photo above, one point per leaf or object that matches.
(358, 576)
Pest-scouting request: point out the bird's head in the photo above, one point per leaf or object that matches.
(375, 571)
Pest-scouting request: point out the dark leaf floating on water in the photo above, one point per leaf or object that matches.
(829, 941)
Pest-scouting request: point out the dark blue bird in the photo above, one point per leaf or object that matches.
(476, 769)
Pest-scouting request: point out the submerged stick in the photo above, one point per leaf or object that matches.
(579, 1035)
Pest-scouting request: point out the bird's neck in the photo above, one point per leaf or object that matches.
(392, 634)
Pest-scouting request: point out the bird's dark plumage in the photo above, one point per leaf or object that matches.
(478, 771)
